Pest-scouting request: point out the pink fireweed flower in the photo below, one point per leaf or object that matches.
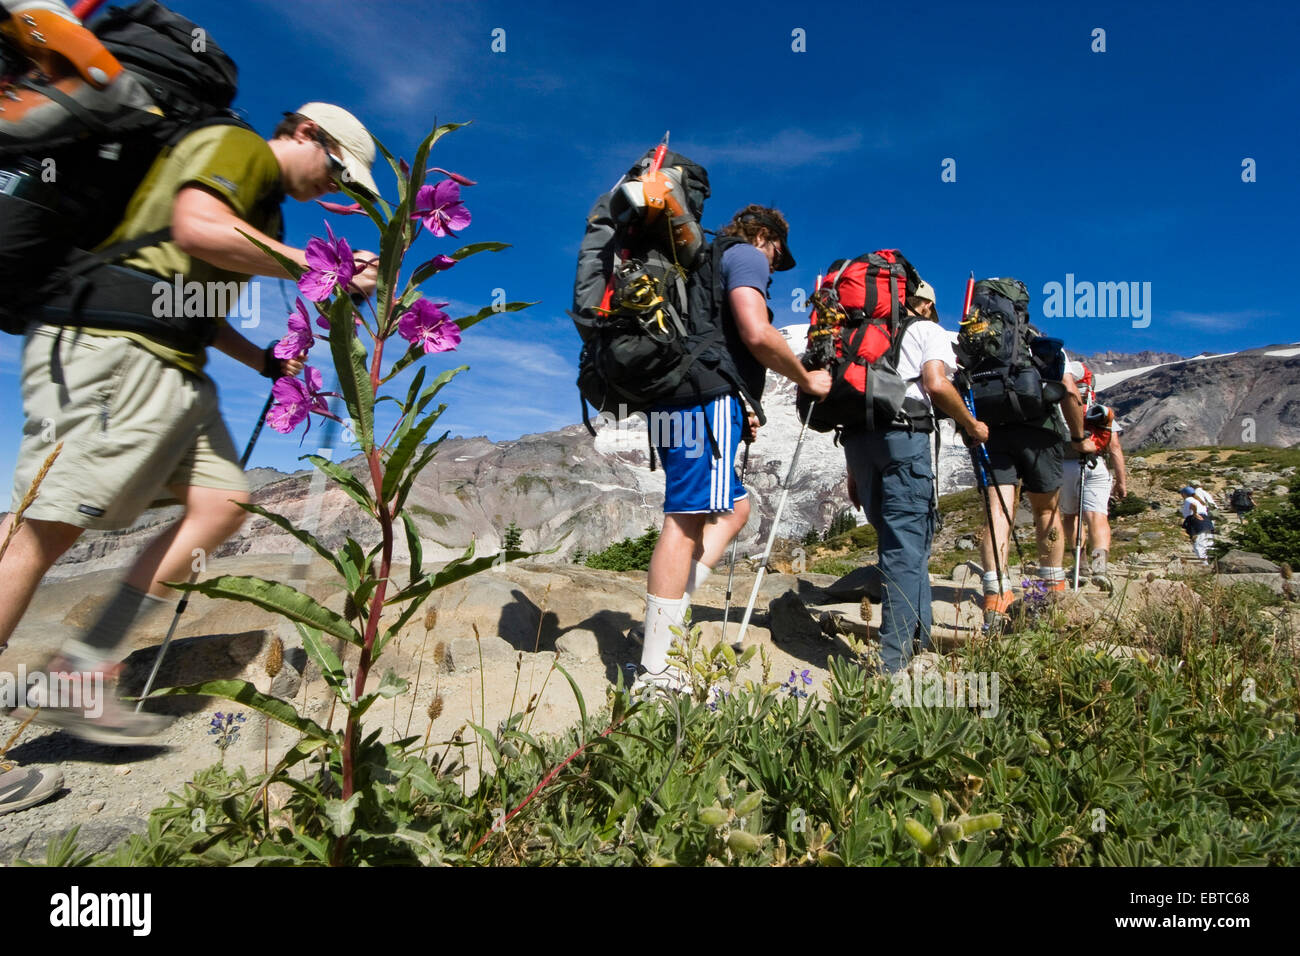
(426, 325)
(329, 264)
(463, 180)
(295, 399)
(440, 209)
(439, 263)
(300, 337)
(340, 209)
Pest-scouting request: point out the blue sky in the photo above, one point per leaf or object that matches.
(1115, 166)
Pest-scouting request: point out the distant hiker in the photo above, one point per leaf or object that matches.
(137, 415)
(1242, 502)
(1203, 496)
(1104, 431)
(892, 481)
(1023, 391)
(1197, 523)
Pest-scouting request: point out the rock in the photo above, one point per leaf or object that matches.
(791, 621)
(857, 584)
(578, 644)
(1274, 581)
(463, 653)
(1138, 464)
(1281, 491)
(95, 806)
(1245, 562)
(1151, 537)
(1124, 534)
(966, 543)
(1154, 504)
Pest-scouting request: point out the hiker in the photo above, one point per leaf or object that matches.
(1022, 388)
(152, 398)
(1197, 523)
(891, 479)
(705, 504)
(1203, 496)
(1097, 483)
(1242, 502)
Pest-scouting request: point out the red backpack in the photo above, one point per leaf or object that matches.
(855, 332)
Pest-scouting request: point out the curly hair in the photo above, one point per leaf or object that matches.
(755, 223)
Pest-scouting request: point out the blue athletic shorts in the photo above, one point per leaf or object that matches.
(696, 481)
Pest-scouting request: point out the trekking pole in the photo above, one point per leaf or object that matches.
(1078, 526)
(257, 430)
(162, 651)
(771, 535)
(982, 479)
(731, 573)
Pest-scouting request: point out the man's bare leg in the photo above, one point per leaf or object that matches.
(36, 545)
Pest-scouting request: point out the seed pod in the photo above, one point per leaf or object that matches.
(724, 790)
(741, 841)
(829, 858)
(936, 808)
(275, 658)
(749, 804)
(1039, 743)
(435, 708)
(712, 816)
(350, 607)
(431, 619)
(439, 654)
(923, 838)
(1015, 773)
(978, 824)
(950, 833)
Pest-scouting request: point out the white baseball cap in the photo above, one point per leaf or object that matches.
(354, 140)
(924, 291)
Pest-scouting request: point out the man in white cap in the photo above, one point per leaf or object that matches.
(136, 413)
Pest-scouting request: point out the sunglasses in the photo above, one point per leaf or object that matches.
(335, 163)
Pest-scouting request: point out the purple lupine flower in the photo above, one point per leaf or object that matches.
(440, 209)
(300, 338)
(425, 324)
(295, 399)
(330, 264)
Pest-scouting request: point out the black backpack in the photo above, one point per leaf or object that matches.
(1013, 371)
(66, 189)
(1240, 500)
(644, 297)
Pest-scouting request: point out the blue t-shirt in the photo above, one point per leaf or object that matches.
(744, 266)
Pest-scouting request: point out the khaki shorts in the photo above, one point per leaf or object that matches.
(132, 426)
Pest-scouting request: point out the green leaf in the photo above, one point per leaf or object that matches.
(474, 248)
(291, 267)
(411, 392)
(306, 537)
(393, 473)
(242, 692)
(315, 847)
(414, 471)
(390, 685)
(279, 598)
(407, 613)
(349, 482)
(397, 169)
(368, 204)
(414, 546)
(354, 378)
(414, 353)
(582, 703)
(323, 656)
(342, 814)
(487, 312)
(414, 407)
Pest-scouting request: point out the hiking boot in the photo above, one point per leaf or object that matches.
(116, 725)
(998, 603)
(665, 683)
(1104, 583)
(25, 787)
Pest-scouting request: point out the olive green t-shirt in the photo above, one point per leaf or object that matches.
(236, 165)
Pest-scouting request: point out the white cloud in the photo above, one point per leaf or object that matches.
(1220, 321)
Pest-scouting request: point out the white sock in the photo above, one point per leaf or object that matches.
(661, 616)
(1050, 574)
(990, 581)
(699, 574)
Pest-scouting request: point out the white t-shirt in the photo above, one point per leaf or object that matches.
(924, 341)
(1193, 506)
(1204, 497)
